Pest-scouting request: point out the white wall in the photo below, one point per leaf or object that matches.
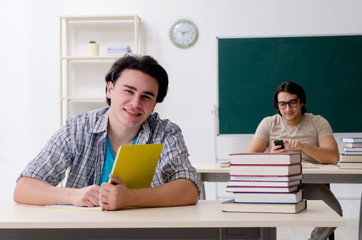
(29, 65)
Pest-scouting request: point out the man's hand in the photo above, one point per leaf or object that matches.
(277, 149)
(326, 152)
(86, 197)
(114, 196)
(292, 144)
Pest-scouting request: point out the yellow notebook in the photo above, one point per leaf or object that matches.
(136, 164)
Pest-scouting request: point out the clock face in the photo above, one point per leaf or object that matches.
(183, 33)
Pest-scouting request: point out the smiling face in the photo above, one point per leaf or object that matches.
(292, 115)
(133, 98)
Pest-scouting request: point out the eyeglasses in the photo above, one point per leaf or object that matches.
(292, 103)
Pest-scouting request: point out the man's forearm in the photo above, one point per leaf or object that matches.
(34, 191)
(176, 193)
(322, 155)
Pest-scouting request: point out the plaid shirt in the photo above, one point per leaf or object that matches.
(80, 145)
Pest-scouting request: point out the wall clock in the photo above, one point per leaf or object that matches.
(183, 33)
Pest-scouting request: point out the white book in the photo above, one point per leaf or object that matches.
(118, 48)
(265, 158)
(351, 139)
(353, 145)
(358, 153)
(292, 197)
(352, 149)
(265, 170)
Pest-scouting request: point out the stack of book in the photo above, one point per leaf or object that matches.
(351, 157)
(265, 182)
(118, 50)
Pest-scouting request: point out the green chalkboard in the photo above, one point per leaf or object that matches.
(329, 68)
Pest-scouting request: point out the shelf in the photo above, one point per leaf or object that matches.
(76, 58)
(82, 84)
(85, 98)
(102, 18)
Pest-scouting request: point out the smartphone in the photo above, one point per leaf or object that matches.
(279, 142)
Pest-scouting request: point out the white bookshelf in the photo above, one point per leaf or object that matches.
(82, 84)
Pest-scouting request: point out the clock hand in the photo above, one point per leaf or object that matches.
(182, 32)
(188, 33)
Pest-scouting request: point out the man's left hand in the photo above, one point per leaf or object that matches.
(114, 196)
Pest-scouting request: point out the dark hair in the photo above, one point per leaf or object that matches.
(292, 88)
(145, 64)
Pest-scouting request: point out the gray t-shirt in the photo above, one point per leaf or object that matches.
(309, 131)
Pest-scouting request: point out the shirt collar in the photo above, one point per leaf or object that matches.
(100, 124)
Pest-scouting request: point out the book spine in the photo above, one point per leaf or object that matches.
(351, 139)
(234, 171)
(266, 165)
(263, 154)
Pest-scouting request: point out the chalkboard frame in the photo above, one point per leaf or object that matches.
(332, 79)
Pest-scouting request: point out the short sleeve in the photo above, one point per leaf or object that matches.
(174, 160)
(263, 129)
(323, 127)
(51, 163)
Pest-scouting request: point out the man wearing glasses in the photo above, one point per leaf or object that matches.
(301, 132)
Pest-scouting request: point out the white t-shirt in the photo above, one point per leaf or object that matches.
(309, 130)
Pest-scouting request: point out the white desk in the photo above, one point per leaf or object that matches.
(213, 172)
(202, 221)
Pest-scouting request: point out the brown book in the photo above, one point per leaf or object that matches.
(350, 158)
